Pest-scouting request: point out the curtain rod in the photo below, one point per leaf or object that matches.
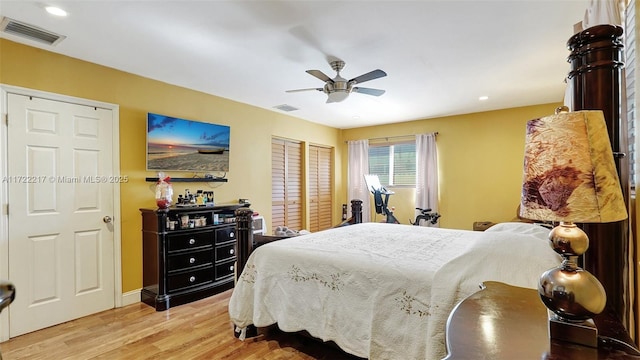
(391, 137)
(398, 136)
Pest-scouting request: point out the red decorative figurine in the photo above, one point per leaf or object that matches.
(164, 191)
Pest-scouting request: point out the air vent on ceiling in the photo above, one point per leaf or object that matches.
(285, 107)
(18, 28)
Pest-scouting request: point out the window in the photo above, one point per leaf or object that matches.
(394, 163)
(630, 69)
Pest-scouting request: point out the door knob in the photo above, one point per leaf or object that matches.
(107, 219)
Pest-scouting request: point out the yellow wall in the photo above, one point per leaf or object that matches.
(250, 145)
(479, 159)
(480, 155)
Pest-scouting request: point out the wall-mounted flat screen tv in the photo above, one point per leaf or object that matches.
(175, 144)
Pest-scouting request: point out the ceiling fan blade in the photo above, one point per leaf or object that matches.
(368, 91)
(299, 90)
(368, 76)
(320, 75)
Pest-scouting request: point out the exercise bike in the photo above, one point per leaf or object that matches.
(427, 215)
(381, 203)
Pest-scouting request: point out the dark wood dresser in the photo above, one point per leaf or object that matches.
(188, 254)
(508, 322)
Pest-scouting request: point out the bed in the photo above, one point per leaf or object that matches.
(412, 322)
(382, 291)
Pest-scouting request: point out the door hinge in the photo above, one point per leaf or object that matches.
(6, 209)
(6, 119)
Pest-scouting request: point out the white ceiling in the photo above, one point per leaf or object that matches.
(440, 56)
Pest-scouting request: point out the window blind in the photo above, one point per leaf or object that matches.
(394, 163)
(630, 78)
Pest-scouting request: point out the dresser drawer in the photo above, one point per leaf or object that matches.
(190, 278)
(225, 269)
(189, 260)
(191, 240)
(225, 252)
(225, 234)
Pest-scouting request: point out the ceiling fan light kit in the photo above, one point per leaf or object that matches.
(339, 88)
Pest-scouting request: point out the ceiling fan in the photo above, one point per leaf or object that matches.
(339, 88)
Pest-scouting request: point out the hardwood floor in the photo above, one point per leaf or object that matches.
(199, 330)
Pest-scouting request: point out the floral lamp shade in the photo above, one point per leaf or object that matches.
(569, 171)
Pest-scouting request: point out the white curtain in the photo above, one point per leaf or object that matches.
(603, 12)
(597, 13)
(358, 166)
(427, 173)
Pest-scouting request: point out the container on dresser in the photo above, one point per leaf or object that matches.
(188, 253)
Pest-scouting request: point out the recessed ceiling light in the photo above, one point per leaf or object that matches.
(55, 11)
(483, 98)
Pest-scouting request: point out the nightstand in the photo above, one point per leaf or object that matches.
(482, 225)
(507, 322)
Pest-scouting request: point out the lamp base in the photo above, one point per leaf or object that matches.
(582, 333)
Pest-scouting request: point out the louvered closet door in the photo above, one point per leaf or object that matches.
(320, 196)
(286, 188)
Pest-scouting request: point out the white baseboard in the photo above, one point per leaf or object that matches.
(131, 297)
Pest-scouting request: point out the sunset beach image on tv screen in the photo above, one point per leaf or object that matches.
(175, 144)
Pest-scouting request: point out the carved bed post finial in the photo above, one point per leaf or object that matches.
(356, 211)
(244, 237)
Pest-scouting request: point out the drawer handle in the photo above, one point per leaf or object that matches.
(231, 267)
(192, 260)
(192, 279)
(231, 234)
(232, 251)
(192, 241)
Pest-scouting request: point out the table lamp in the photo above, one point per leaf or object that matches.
(570, 177)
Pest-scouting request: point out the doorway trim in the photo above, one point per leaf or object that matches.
(5, 90)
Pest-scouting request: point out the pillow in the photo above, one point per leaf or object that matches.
(537, 230)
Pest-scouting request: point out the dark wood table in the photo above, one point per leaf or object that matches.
(508, 322)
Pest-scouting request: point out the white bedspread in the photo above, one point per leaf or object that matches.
(383, 291)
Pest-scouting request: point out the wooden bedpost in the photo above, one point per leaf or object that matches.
(596, 78)
(356, 214)
(244, 238)
(356, 211)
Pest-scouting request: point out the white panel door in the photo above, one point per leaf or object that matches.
(61, 249)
